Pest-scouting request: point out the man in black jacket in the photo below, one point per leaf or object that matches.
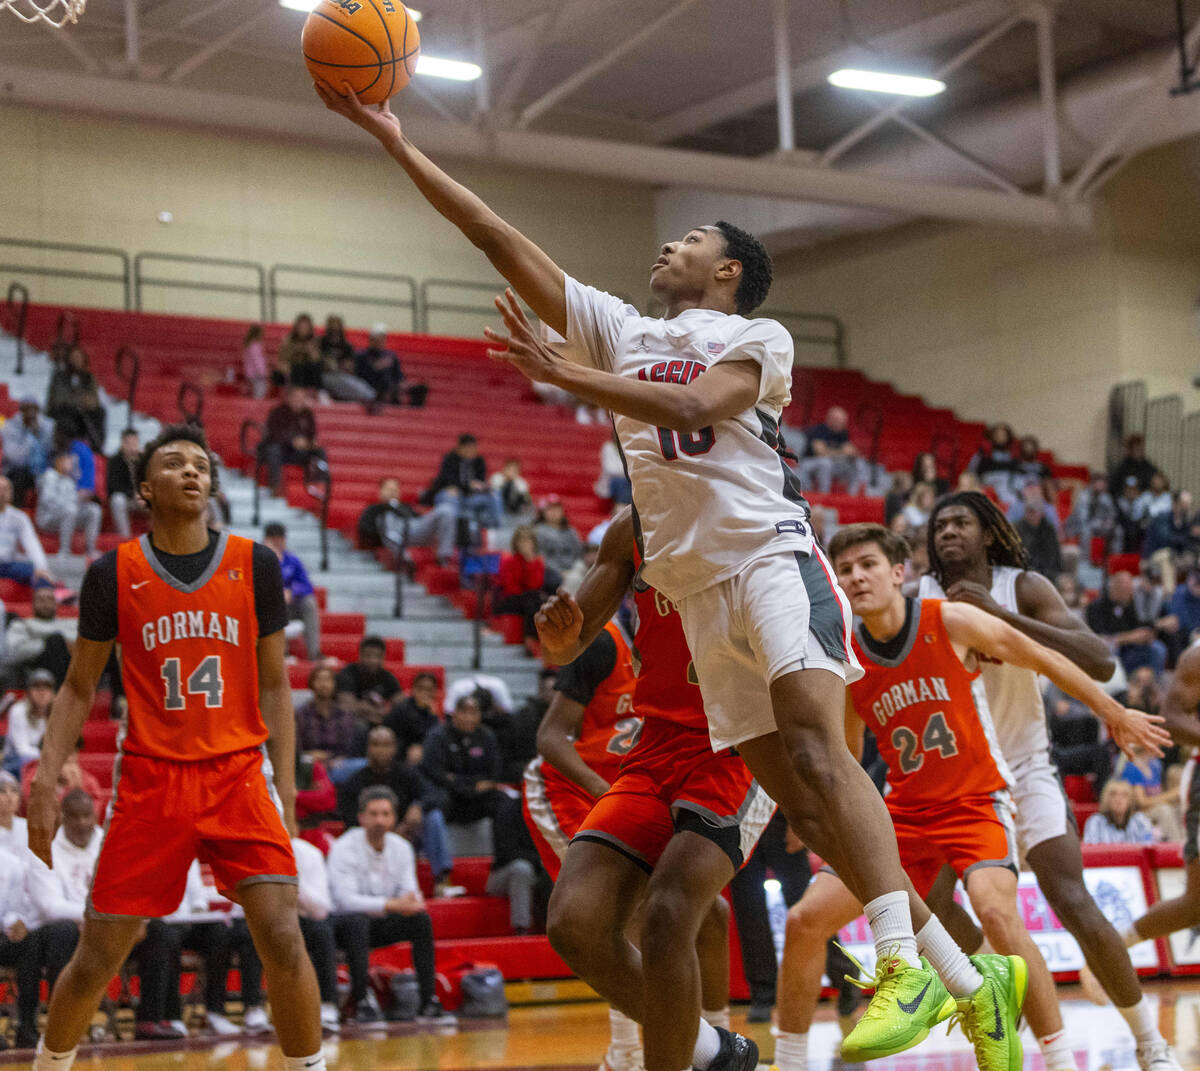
(462, 482)
(462, 759)
(119, 490)
(413, 717)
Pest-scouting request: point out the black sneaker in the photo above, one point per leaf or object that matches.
(433, 1012)
(367, 1010)
(27, 1037)
(737, 1052)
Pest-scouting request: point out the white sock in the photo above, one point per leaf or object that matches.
(891, 923)
(623, 1032)
(708, 1044)
(45, 1060)
(791, 1052)
(1142, 1018)
(1130, 936)
(1056, 1051)
(958, 973)
(316, 1062)
(719, 1017)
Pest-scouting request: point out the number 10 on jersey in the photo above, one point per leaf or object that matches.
(691, 444)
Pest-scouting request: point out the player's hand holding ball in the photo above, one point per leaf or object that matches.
(376, 119)
(559, 622)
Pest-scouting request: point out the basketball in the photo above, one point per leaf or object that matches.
(371, 44)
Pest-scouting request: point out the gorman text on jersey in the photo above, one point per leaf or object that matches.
(190, 625)
(899, 696)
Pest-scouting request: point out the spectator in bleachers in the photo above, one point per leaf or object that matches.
(488, 690)
(299, 359)
(897, 496)
(461, 480)
(316, 795)
(18, 947)
(1134, 464)
(1071, 591)
(367, 687)
(1094, 513)
(1075, 737)
(463, 761)
(74, 396)
(511, 488)
(325, 729)
(1029, 467)
(1171, 534)
(28, 440)
(72, 776)
(831, 456)
(338, 366)
(1039, 494)
(1118, 820)
(995, 462)
(517, 872)
(298, 590)
(373, 877)
(613, 482)
(600, 529)
(290, 437)
(518, 743)
(920, 505)
(413, 716)
(392, 523)
(22, 557)
(254, 362)
(1142, 691)
(14, 834)
(1156, 499)
(380, 368)
(925, 470)
(558, 542)
(69, 436)
(43, 640)
(1114, 618)
(1146, 775)
(1038, 534)
(27, 720)
(63, 507)
(524, 581)
(1185, 605)
(573, 577)
(1131, 524)
(122, 495)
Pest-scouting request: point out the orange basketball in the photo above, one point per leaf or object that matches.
(371, 44)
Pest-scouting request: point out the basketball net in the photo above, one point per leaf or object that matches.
(55, 12)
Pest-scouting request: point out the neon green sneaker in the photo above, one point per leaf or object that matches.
(989, 1015)
(908, 1001)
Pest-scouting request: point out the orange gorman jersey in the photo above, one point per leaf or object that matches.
(667, 685)
(930, 716)
(189, 655)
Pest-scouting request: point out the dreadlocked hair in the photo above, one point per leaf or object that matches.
(1006, 547)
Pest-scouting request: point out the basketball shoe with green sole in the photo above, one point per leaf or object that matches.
(908, 1002)
(989, 1015)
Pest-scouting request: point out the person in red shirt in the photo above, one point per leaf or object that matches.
(198, 617)
(524, 581)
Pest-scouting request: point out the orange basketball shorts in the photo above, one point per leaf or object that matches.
(554, 809)
(165, 814)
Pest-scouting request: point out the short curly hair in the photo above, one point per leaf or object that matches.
(757, 271)
(175, 433)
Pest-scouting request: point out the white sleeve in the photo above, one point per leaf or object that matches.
(343, 882)
(770, 346)
(47, 896)
(21, 739)
(403, 865)
(315, 902)
(12, 888)
(31, 544)
(594, 321)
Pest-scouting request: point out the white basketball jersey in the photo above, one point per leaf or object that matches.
(1012, 693)
(711, 501)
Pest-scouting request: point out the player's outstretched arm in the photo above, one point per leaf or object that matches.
(725, 390)
(67, 715)
(988, 635)
(275, 702)
(532, 273)
(567, 624)
(1182, 701)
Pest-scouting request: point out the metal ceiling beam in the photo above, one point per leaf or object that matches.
(783, 78)
(980, 167)
(1048, 89)
(479, 41)
(921, 36)
(201, 57)
(133, 37)
(589, 71)
(538, 40)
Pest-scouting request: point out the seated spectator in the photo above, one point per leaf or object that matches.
(1041, 495)
(1118, 820)
(392, 523)
(1131, 523)
(14, 833)
(254, 362)
(524, 581)
(68, 436)
(925, 470)
(325, 729)
(462, 482)
(21, 555)
(298, 590)
(1071, 591)
(1094, 513)
(316, 796)
(1134, 464)
(897, 496)
(74, 396)
(380, 368)
(486, 689)
(1172, 533)
(421, 820)
(995, 462)
(1143, 692)
(366, 687)
(463, 761)
(558, 542)
(1114, 618)
(63, 506)
(338, 366)
(1076, 743)
(510, 488)
(1029, 468)
(19, 951)
(598, 532)
(1038, 534)
(28, 441)
(832, 457)
(1144, 773)
(1185, 605)
(919, 506)
(43, 640)
(518, 741)
(27, 720)
(290, 437)
(1156, 499)
(613, 481)
(299, 360)
(72, 776)
(517, 872)
(573, 578)
(122, 495)
(412, 717)
(373, 875)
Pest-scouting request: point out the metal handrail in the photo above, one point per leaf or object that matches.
(140, 280)
(275, 291)
(837, 340)
(20, 314)
(430, 305)
(188, 389)
(122, 279)
(127, 356)
(876, 431)
(318, 482)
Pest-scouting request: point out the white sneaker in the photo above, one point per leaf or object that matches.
(623, 1060)
(330, 1020)
(221, 1026)
(255, 1021)
(1157, 1056)
(181, 1026)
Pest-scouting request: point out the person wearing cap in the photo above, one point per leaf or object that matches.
(27, 721)
(22, 557)
(27, 440)
(380, 367)
(557, 540)
(43, 640)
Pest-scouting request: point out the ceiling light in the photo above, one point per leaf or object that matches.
(308, 5)
(877, 82)
(456, 70)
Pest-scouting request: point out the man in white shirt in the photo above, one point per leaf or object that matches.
(373, 881)
(21, 555)
(18, 947)
(14, 835)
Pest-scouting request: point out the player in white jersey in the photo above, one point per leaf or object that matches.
(976, 556)
(725, 534)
